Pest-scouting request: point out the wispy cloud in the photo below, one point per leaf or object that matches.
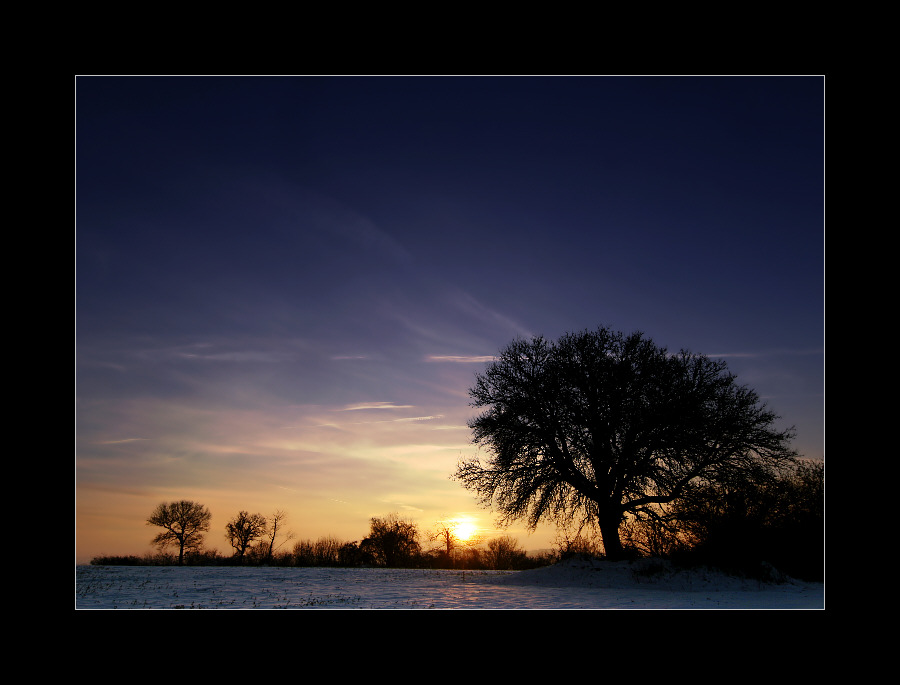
(459, 359)
(205, 351)
(375, 405)
(245, 356)
(124, 440)
(409, 418)
(731, 355)
(474, 308)
(767, 353)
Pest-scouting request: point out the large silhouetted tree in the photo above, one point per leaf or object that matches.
(598, 425)
(184, 522)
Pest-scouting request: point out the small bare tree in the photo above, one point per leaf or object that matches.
(243, 529)
(446, 534)
(443, 534)
(184, 522)
(276, 528)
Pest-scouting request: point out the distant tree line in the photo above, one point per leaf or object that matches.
(392, 542)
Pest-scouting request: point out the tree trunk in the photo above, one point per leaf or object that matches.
(272, 539)
(609, 531)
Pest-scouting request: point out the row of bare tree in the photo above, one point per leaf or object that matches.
(392, 542)
(185, 523)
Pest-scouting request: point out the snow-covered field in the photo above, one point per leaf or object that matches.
(574, 584)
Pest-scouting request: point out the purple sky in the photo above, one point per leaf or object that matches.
(285, 286)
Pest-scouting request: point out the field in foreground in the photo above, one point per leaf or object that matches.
(573, 584)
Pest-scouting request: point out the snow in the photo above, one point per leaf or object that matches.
(578, 583)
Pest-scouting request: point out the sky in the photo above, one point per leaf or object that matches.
(284, 286)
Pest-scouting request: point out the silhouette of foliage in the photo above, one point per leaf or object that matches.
(326, 551)
(747, 525)
(599, 425)
(504, 553)
(184, 522)
(392, 542)
(243, 530)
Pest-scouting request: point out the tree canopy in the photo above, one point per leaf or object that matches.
(184, 522)
(599, 425)
(392, 541)
(243, 529)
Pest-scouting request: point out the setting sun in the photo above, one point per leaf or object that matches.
(464, 530)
